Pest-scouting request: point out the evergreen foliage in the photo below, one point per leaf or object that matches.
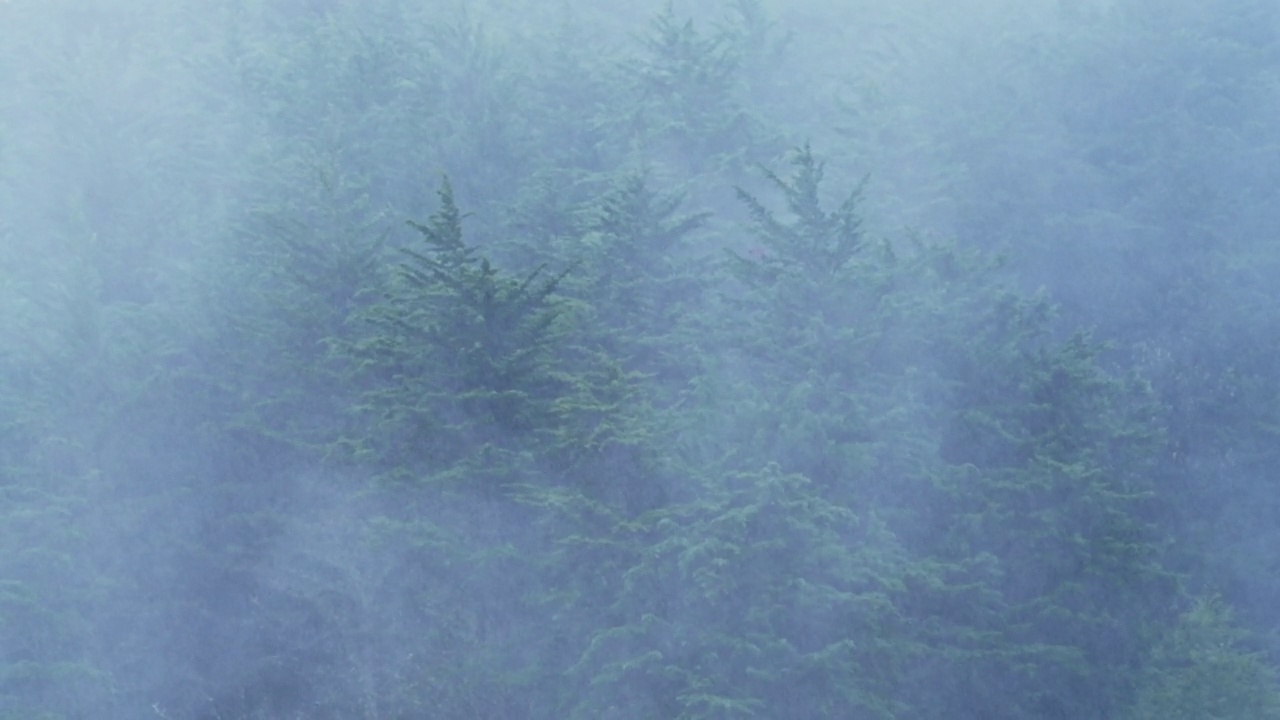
(1200, 669)
(648, 433)
(462, 354)
(643, 277)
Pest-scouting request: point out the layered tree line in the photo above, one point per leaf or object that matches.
(536, 360)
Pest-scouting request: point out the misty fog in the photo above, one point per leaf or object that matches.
(909, 359)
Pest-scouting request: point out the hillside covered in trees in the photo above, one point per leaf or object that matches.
(503, 359)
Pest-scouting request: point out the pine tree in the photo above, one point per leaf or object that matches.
(1204, 668)
(1051, 460)
(461, 354)
(757, 599)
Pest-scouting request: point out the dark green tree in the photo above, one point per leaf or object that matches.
(642, 280)
(759, 598)
(461, 355)
(1051, 463)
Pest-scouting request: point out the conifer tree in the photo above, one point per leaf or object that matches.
(1203, 668)
(688, 86)
(810, 314)
(461, 354)
(642, 281)
(1050, 479)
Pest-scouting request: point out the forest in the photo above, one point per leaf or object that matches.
(500, 359)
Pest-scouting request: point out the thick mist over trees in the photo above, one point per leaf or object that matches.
(524, 359)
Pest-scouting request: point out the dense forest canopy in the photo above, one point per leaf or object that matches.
(522, 359)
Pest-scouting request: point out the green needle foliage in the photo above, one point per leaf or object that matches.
(461, 355)
(1202, 668)
(657, 430)
(758, 599)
